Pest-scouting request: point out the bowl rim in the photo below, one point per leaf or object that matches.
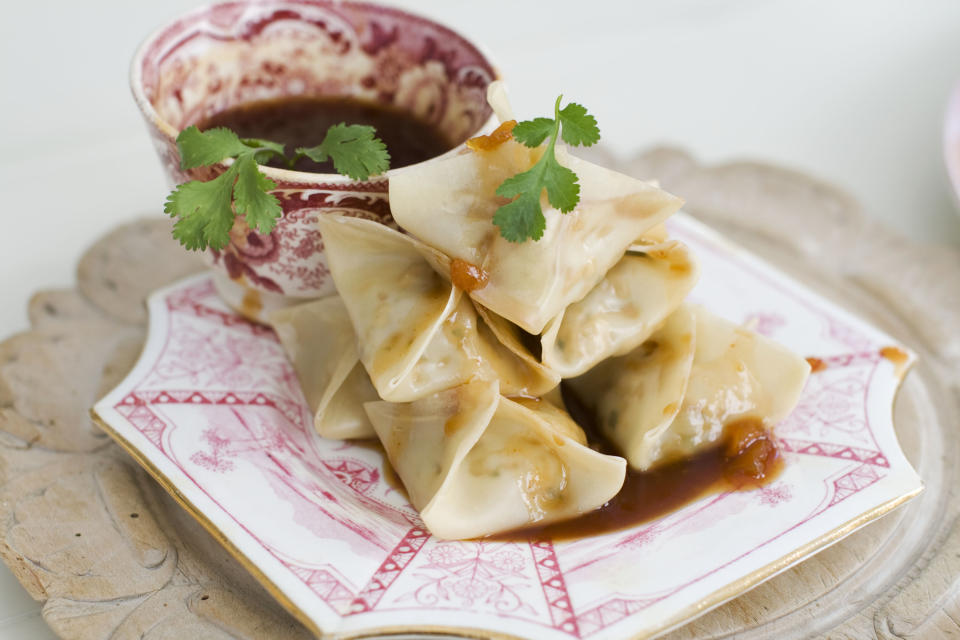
(290, 176)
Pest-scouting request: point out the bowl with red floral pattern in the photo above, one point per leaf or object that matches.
(250, 64)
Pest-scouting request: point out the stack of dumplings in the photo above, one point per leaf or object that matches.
(461, 386)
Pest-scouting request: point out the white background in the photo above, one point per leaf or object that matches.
(852, 92)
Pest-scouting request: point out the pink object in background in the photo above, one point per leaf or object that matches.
(951, 143)
(228, 54)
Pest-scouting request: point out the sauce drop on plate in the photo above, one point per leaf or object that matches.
(302, 121)
(251, 303)
(899, 358)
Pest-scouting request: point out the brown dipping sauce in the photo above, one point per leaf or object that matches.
(302, 121)
(746, 458)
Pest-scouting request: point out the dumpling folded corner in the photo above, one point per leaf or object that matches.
(475, 463)
(416, 332)
(396, 302)
(318, 339)
(449, 204)
(636, 397)
(675, 394)
(622, 310)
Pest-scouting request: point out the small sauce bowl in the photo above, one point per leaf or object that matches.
(225, 55)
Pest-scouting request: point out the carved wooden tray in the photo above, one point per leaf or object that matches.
(112, 555)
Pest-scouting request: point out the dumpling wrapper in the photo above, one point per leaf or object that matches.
(417, 334)
(498, 100)
(318, 339)
(449, 204)
(651, 237)
(475, 463)
(621, 312)
(735, 373)
(636, 397)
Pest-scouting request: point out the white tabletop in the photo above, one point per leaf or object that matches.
(851, 92)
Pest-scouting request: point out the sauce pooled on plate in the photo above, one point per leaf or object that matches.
(745, 458)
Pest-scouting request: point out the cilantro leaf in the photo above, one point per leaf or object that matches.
(203, 148)
(250, 197)
(578, 126)
(522, 217)
(563, 190)
(355, 150)
(520, 183)
(206, 211)
(266, 145)
(265, 149)
(532, 133)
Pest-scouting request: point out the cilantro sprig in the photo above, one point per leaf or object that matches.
(206, 210)
(522, 217)
(355, 150)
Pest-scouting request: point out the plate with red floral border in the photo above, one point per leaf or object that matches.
(214, 412)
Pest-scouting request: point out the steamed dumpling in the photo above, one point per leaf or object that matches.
(674, 395)
(737, 373)
(475, 463)
(621, 312)
(416, 332)
(449, 204)
(318, 339)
